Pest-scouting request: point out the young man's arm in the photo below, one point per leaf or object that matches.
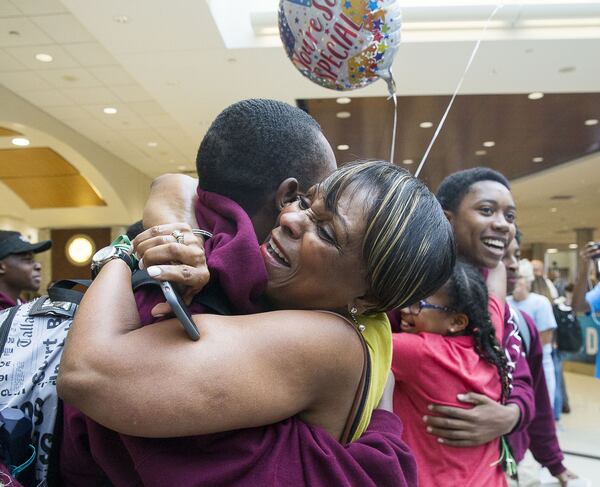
(172, 199)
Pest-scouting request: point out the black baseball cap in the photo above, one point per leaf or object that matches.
(15, 243)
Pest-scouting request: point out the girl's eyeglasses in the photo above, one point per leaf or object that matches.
(415, 309)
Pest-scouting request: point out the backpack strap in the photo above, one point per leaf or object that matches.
(6, 327)
(63, 290)
(523, 330)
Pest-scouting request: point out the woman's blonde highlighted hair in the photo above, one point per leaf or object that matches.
(408, 245)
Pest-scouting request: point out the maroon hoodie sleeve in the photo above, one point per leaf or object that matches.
(542, 430)
(522, 391)
(382, 454)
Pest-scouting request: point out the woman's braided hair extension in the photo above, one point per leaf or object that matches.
(468, 294)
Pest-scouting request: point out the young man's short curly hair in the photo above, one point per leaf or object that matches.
(454, 187)
(254, 145)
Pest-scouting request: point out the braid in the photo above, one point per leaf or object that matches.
(468, 294)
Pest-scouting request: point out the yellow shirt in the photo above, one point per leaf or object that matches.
(378, 338)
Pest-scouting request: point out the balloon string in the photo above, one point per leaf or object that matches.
(395, 98)
(458, 87)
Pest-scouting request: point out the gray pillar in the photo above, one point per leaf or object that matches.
(538, 251)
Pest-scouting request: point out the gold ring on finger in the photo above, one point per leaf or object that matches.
(178, 236)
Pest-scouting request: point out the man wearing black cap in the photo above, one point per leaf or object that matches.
(18, 269)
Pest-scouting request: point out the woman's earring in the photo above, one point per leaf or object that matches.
(353, 313)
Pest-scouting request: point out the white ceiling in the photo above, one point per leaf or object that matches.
(169, 72)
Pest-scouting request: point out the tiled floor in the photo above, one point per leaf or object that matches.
(579, 431)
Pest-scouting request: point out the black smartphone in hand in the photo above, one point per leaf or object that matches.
(180, 309)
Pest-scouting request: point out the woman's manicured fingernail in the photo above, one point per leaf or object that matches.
(461, 397)
(141, 264)
(429, 429)
(154, 271)
(425, 418)
(440, 440)
(430, 407)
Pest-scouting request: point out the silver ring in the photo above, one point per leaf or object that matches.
(178, 236)
(201, 233)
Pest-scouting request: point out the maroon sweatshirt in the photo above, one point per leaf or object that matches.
(540, 436)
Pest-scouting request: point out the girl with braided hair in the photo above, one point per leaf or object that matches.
(446, 345)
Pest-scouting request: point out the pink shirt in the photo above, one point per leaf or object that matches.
(432, 368)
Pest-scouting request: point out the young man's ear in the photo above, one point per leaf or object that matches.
(287, 192)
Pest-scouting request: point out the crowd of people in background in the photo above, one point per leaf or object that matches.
(355, 328)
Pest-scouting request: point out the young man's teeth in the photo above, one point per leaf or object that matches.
(499, 244)
(275, 250)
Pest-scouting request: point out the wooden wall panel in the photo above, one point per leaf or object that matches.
(4, 132)
(552, 127)
(44, 179)
(33, 162)
(55, 192)
(61, 267)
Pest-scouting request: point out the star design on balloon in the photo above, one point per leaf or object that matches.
(348, 4)
(377, 24)
(373, 5)
(379, 56)
(377, 36)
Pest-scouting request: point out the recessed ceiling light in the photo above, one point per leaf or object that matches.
(566, 69)
(489, 143)
(343, 147)
(152, 144)
(14, 33)
(20, 141)
(343, 115)
(480, 152)
(110, 110)
(343, 100)
(552, 251)
(573, 246)
(44, 58)
(69, 77)
(121, 19)
(591, 122)
(553, 210)
(181, 168)
(231, 60)
(408, 162)
(426, 125)
(535, 95)
(538, 159)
